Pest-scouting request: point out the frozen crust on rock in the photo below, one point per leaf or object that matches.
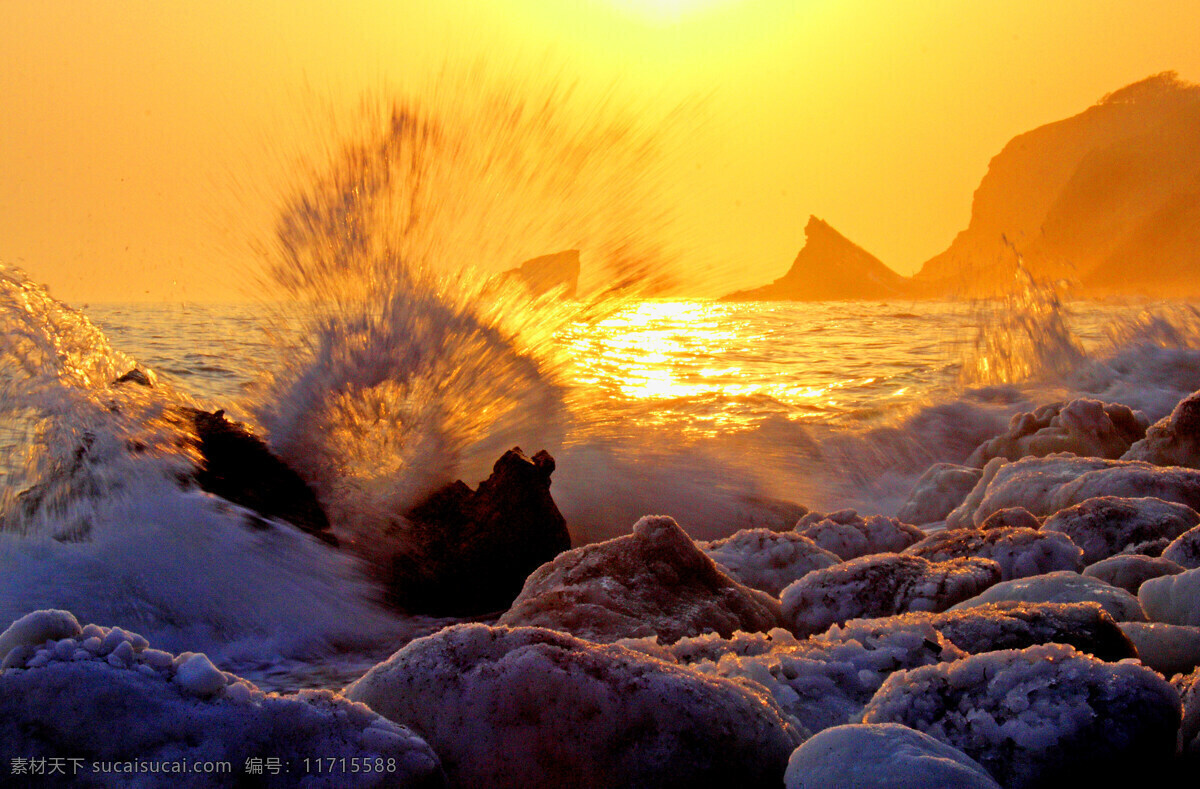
(1039, 717)
(529, 707)
(821, 681)
(655, 581)
(1174, 440)
(1046, 485)
(768, 560)
(1084, 427)
(850, 536)
(940, 489)
(1062, 587)
(827, 679)
(1016, 625)
(1019, 552)
(882, 585)
(102, 694)
(882, 756)
(1106, 525)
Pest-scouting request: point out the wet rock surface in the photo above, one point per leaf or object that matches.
(466, 552)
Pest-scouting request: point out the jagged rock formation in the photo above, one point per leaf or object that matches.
(829, 268)
(465, 552)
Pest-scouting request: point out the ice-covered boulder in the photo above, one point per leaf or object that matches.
(1084, 427)
(1062, 587)
(821, 681)
(1133, 479)
(1019, 552)
(1129, 571)
(826, 680)
(1043, 716)
(1011, 517)
(529, 707)
(1184, 550)
(1168, 649)
(881, 585)
(1030, 483)
(882, 756)
(1016, 625)
(850, 535)
(940, 489)
(1106, 525)
(1046, 485)
(1174, 440)
(462, 552)
(768, 560)
(1173, 599)
(655, 581)
(102, 694)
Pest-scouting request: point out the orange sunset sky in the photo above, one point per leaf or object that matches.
(141, 142)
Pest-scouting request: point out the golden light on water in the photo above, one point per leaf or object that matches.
(660, 353)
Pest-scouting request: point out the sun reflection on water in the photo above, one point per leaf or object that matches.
(716, 366)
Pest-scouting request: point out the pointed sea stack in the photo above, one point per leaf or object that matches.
(829, 268)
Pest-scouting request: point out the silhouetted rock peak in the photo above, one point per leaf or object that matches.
(829, 268)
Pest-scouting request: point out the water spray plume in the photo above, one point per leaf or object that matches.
(410, 361)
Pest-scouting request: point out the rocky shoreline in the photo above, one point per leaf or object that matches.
(1040, 622)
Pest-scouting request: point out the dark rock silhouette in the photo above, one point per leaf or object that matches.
(829, 268)
(547, 272)
(237, 466)
(468, 552)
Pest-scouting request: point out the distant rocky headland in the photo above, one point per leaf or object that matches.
(1106, 201)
